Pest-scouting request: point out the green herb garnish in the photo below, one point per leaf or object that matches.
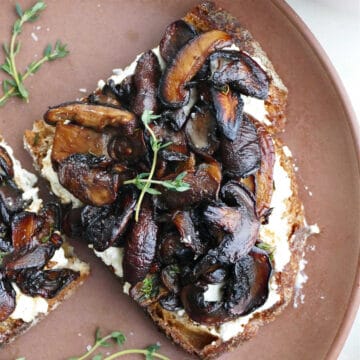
(2, 255)
(14, 86)
(144, 180)
(119, 338)
(147, 287)
(268, 248)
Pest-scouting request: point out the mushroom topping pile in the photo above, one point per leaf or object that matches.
(27, 243)
(169, 167)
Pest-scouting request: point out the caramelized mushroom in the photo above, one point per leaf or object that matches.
(199, 310)
(229, 111)
(241, 72)
(104, 97)
(241, 157)
(146, 82)
(170, 278)
(204, 186)
(72, 139)
(189, 235)
(200, 132)
(23, 228)
(171, 302)
(103, 226)
(90, 115)
(6, 164)
(45, 283)
(11, 200)
(186, 64)
(128, 149)
(176, 35)
(248, 286)
(7, 298)
(140, 247)
(87, 178)
(171, 249)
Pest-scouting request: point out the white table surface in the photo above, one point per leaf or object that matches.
(332, 21)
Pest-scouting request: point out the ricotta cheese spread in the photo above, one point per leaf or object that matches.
(112, 256)
(28, 307)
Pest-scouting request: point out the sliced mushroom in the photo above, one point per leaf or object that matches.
(87, 178)
(172, 250)
(248, 286)
(176, 35)
(103, 226)
(171, 302)
(221, 219)
(170, 278)
(186, 64)
(241, 157)
(24, 226)
(199, 310)
(189, 235)
(204, 186)
(6, 164)
(7, 298)
(241, 72)
(5, 238)
(45, 283)
(11, 200)
(90, 115)
(200, 132)
(72, 139)
(229, 111)
(104, 97)
(146, 82)
(35, 258)
(177, 150)
(128, 149)
(140, 247)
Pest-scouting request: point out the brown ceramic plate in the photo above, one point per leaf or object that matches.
(103, 35)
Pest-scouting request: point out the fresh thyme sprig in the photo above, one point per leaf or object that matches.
(14, 86)
(144, 180)
(150, 352)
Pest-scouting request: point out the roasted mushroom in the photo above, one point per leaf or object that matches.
(45, 283)
(105, 226)
(146, 82)
(7, 298)
(186, 64)
(204, 186)
(229, 111)
(241, 157)
(72, 139)
(241, 72)
(90, 115)
(176, 35)
(248, 286)
(87, 178)
(140, 247)
(6, 164)
(200, 132)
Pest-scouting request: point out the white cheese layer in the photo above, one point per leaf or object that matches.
(28, 307)
(24, 180)
(112, 256)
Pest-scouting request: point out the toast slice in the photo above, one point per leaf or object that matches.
(38, 269)
(283, 230)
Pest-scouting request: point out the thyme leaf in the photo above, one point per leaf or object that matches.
(14, 86)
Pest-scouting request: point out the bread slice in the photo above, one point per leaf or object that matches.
(286, 231)
(31, 309)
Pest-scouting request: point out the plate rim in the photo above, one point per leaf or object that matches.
(351, 119)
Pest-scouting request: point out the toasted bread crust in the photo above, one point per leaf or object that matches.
(192, 337)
